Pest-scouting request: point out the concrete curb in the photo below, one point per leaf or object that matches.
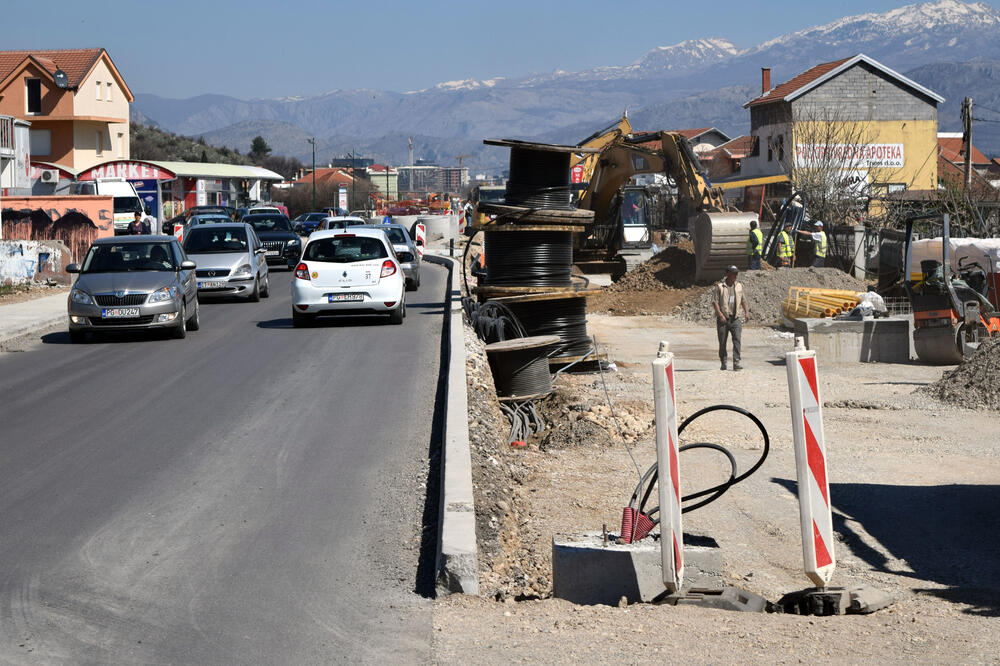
(457, 566)
(23, 319)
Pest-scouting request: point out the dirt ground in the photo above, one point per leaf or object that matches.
(20, 293)
(915, 485)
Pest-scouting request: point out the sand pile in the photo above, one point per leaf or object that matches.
(974, 383)
(765, 290)
(673, 268)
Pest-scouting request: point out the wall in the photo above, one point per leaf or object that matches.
(55, 102)
(24, 260)
(75, 220)
(85, 102)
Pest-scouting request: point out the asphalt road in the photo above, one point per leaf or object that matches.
(251, 494)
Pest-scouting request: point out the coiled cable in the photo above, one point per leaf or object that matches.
(529, 258)
(521, 368)
(564, 317)
(538, 179)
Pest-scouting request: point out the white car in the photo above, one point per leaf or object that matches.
(348, 272)
(339, 222)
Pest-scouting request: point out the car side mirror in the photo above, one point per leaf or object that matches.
(188, 265)
(73, 268)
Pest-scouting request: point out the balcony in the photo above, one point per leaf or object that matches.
(6, 136)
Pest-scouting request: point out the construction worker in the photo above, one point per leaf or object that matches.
(786, 248)
(755, 243)
(819, 242)
(728, 300)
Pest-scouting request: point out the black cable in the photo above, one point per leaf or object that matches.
(520, 372)
(493, 321)
(564, 317)
(538, 179)
(528, 258)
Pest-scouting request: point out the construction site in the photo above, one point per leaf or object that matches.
(838, 486)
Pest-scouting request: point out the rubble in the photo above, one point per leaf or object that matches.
(972, 383)
(673, 268)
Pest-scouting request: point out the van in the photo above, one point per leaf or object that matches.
(126, 200)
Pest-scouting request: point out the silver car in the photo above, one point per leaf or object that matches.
(133, 282)
(231, 260)
(406, 252)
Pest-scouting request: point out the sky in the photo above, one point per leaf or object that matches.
(253, 48)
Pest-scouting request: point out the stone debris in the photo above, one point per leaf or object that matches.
(974, 383)
(673, 268)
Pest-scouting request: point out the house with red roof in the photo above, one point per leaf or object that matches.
(76, 101)
(854, 115)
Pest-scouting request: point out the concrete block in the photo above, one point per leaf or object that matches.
(584, 571)
(887, 340)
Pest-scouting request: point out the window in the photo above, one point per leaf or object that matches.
(97, 85)
(33, 95)
(99, 143)
(40, 142)
(108, 91)
(770, 148)
(781, 147)
(121, 145)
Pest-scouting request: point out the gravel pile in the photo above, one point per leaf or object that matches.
(673, 268)
(765, 291)
(974, 383)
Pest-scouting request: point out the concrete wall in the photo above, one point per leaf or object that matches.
(74, 220)
(868, 341)
(24, 261)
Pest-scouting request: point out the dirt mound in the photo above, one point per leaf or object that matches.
(765, 290)
(673, 268)
(974, 383)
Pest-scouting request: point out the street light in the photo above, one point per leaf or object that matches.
(313, 142)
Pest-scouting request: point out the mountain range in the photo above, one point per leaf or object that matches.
(950, 46)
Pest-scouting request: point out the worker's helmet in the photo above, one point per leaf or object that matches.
(753, 224)
(732, 269)
(819, 224)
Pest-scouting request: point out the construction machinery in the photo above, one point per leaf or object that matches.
(952, 311)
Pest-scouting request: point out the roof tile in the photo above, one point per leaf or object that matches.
(75, 62)
(785, 89)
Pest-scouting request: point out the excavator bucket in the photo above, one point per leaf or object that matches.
(937, 345)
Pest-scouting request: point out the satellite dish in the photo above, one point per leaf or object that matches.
(61, 79)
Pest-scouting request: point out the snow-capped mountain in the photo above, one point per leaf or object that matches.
(541, 105)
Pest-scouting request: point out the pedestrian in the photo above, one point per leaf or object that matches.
(136, 227)
(151, 221)
(755, 243)
(819, 242)
(786, 249)
(728, 301)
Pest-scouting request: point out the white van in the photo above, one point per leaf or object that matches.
(126, 200)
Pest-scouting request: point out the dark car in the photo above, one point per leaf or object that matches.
(282, 245)
(168, 225)
(306, 223)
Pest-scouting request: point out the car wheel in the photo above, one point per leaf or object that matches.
(302, 319)
(255, 294)
(396, 316)
(194, 321)
(266, 289)
(180, 331)
(77, 336)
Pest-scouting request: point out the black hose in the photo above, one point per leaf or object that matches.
(528, 258)
(564, 317)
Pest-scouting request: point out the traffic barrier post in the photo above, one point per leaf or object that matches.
(422, 238)
(179, 232)
(668, 464)
(815, 513)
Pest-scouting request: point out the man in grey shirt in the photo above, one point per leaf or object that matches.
(728, 300)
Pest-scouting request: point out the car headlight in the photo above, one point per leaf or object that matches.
(164, 294)
(243, 271)
(81, 297)
(294, 243)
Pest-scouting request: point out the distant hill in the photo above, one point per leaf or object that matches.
(150, 143)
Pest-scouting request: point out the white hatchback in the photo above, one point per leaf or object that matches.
(348, 272)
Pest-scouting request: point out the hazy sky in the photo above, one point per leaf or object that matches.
(252, 48)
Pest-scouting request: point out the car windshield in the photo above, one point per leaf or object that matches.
(492, 196)
(268, 223)
(123, 257)
(127, 205)
(314, 217)
(345, 249)
(396, 236)
(215, 241)
(209, 219)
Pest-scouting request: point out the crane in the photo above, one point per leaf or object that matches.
(462, 157)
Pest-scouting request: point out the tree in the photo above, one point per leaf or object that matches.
(258, 149)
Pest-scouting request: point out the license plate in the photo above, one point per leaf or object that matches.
(119, 313)
(209, 284)
(341, 298)
(273, 253)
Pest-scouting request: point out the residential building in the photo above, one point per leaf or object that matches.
(454, 179)
(15, 157)
(420, 179)
(76, 101)
(856, 115)
(385, 179)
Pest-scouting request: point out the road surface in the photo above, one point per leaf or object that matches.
(251, 494)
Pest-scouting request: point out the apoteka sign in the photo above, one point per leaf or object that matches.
(849, 155)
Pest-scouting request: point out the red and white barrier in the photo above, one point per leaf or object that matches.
(421, 238)
(810, 462)
(668, 464)
(179, 232)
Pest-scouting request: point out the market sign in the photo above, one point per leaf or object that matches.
(849, 155)
(127, 169)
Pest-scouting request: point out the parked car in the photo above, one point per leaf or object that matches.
(282, 245)
(133, 282)
(230, 260)
(406, 252)
(168, 225)
(348, 272)
(306, 223)
(268, 208)
(209, 218)
(340, 222)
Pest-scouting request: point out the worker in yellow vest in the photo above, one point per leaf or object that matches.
(755, 244)
(819, 242)
(786, 249)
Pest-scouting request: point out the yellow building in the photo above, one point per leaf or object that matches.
(870, 127)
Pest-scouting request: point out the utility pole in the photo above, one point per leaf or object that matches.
(313, 142)
(353, 179)
(967, 140)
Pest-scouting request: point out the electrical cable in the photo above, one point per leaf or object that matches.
(493, 321)
(520, 370)
(538, 179)
(564, 317)
(529, 258)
